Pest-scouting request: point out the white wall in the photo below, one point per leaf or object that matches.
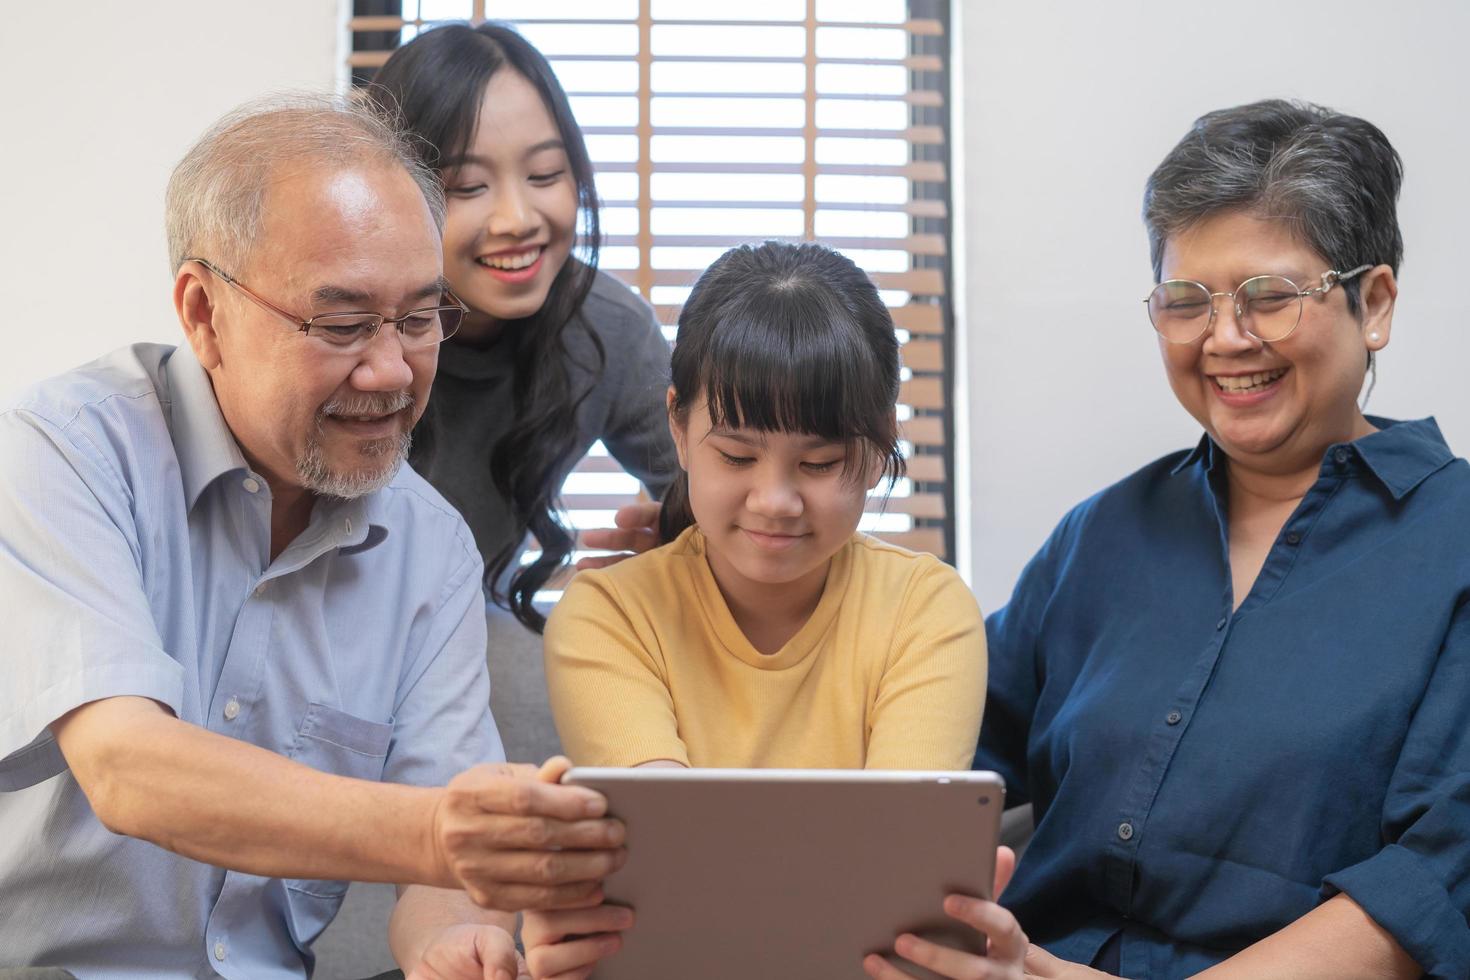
(101, 100)
(1065, 110)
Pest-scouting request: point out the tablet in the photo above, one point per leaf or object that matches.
(738, 874)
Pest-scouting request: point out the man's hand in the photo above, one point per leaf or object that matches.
(1007, 946)
(513, 839)
(636, 532)
(568, 944)
(471, 952)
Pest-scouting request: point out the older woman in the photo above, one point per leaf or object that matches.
(1235, 685)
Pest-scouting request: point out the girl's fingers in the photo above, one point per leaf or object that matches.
(1007, 942)
(560, 959)
(878, 968)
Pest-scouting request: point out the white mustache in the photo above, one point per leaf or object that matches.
(367, 404)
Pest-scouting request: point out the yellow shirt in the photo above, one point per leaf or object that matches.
(644, 661)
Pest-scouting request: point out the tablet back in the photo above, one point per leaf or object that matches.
(744, 874)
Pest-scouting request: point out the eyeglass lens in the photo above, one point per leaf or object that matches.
(1268, 306)
(420, 329)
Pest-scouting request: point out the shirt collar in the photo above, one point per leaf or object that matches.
(205, 447)
(1401, 455)
(207, 450)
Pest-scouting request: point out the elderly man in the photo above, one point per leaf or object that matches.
(244, 645)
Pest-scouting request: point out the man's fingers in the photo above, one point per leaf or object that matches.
(507, 897)
(497, 951)
(532, 797)
(1007, 942)
(601, 561)
(553, 769)
(544, 867)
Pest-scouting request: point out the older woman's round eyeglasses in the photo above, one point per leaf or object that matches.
(351, 333)
(1266, 307)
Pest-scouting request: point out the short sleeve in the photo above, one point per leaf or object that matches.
(611, 702)
(927, 711)
(78, 624)
(442, 724)
(1418, 886)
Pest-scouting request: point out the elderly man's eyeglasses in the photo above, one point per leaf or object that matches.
(351, 333)
(1266, 307)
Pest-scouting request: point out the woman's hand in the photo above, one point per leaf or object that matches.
(636, 532)
(1006, 945)
(566, 945)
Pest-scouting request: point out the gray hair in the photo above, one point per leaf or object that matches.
(1335, 178)
(213, 203)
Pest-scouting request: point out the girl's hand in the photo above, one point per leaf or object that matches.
(567, 944)
(1007, 946)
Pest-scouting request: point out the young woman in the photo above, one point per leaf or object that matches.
(768, 632)
(554, 355)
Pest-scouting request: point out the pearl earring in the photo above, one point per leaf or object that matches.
(1373, 337)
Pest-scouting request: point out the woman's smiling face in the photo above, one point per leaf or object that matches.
(1275, 406)
(512, 211)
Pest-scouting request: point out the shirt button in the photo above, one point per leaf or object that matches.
(1340, 455)
(1221, 624)
(1293, 538)
(251, 485)
(219, 951)
(348, 526)
(1173, 717)
(1125, 831)
(232, 709)
(261, 590)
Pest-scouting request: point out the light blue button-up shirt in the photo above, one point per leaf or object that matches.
(135, 560)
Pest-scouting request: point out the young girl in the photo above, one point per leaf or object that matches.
(769, 632)
(554, 354)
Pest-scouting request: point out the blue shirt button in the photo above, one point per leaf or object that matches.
(1293, 538)
(1174, 718)
(1340, 455)
(1125, 831)
(1221, 624)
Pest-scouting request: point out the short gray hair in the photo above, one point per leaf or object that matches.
(1335, 178)
(214, 198)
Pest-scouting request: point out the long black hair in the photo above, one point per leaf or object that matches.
(788, 338)
(434, 85)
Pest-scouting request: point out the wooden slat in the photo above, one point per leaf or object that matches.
(914, 244)
(924, 355)
(924, 430)
(917, 170)
(918, 209)
(919, 318)
(924, 282)
(925, 27)
(927, 539)
(927, 469)
(922, 393)
(916, 135)
(929, 505)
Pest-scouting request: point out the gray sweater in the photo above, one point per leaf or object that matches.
(473, 389)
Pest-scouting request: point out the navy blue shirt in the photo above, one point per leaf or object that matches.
(1201, 777)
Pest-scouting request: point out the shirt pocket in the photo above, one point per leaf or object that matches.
(331, 740)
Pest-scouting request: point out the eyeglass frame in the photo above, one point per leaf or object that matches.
(304, 326)
(1329, 279)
